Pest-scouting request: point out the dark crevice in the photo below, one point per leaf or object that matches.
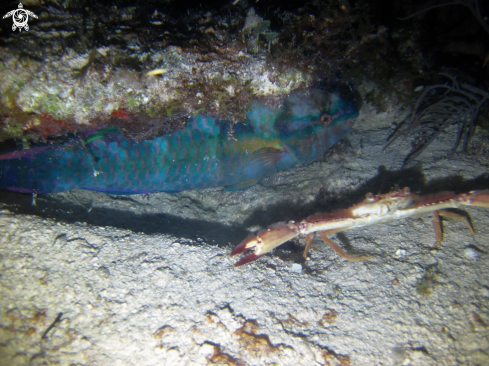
(222, 235)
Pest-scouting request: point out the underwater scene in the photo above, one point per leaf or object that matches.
(244, 182)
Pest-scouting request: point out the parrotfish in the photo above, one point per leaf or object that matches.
(202, 155)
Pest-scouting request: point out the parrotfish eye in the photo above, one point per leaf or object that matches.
(325, 119)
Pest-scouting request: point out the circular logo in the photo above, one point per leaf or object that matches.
(20, 18)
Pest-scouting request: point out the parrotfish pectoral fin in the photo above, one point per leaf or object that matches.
(264, 161)
(262, 164)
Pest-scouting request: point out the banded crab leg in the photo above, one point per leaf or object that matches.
(324, 235)
(452, 215)
(374, 209)
(339, 251)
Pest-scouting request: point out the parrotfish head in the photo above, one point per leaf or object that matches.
(310, 123)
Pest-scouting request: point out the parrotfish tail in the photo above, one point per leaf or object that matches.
(46, 169)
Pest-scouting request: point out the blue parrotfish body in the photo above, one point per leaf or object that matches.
(200, 156)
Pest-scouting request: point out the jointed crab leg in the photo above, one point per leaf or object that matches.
(437, 223)
(374, 209)
(339, 251)
(324, 237)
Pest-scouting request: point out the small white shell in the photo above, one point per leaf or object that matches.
(297, 268)
(471, 253)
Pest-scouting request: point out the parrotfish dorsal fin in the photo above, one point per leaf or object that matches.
(262, 118)
(304, 107)
(207, 125)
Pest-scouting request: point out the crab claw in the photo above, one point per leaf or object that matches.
(265, 241)
(247, 259)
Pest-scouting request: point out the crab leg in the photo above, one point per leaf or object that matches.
(456, 216)
(339, 251)
(309, 238)
(437, 223)
(374, 209)
(437, 226)
(324, 237)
